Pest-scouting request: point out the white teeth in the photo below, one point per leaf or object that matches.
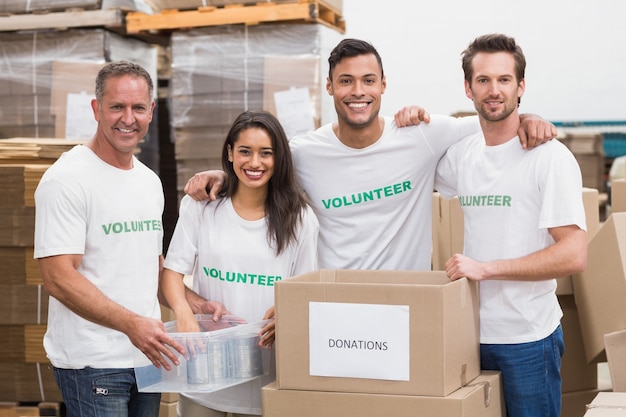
(254, 173)
(126, 130)
(357, 105)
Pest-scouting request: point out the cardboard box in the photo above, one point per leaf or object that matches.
(71, 77)
(618, 196)
(600, 290)
(167, 409)
(285, 74)
(576, 373)
(23, 304)
(574, 404)
(28, 382)
(224, 354)
(615, 345)
(381, 332)
(194, 4)
(482, 397)
(447, 230)
(607, 404)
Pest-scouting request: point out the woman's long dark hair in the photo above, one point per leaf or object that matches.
(284, 202)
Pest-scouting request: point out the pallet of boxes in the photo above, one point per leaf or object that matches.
(579, 375)
(47, 78)
(372, 343)
(600, 292)
(27, 385)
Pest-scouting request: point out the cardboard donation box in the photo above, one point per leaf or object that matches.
(381, 332)
(482, 397)
(600, 290)
(223, 354)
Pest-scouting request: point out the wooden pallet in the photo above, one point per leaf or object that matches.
(71, 18)
(300, 11)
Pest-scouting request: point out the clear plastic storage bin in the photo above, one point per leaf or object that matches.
(222, 354)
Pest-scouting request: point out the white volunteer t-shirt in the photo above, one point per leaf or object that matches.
(232, 263)
(374, 204)
(510, 197)
(112, 217)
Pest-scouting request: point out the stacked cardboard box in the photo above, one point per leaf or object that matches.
(337, 5)
(34, 6)
(618, 195)
(24, 372)
(601, 289)
(337, 354)
(37, 88)
(218, 72)
(580, 377)
(609, 273)
(43, 73)
(589, 152)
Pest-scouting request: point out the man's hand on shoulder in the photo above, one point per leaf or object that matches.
(197, 186)
(411, 116)
(534, 131)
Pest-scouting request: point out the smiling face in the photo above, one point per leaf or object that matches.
(252, 156)
(356, 86)
(494, 87)
(123, 114)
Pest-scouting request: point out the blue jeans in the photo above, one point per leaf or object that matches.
(91, 392)
(531, 374)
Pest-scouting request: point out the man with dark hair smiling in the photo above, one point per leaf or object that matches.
(369, 181)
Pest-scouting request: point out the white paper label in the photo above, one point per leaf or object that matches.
(80, 123)
(293, 110)
(359, 340)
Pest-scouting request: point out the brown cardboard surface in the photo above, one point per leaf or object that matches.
(482, 397)
(591, 201)
(167, 409)
(600, 290)
(615, 345)
(574, 404)
(576, 373)
(70, 77)
(282, 73)
(444, 330)
(447, 230)
(618, 196)
(23, 304)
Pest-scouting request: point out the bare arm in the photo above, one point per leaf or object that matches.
(63, 281)
(185, 302)
(268, 333)
(568, 255)
(197, 185)
(533, 130)
(173, 289)
(411, 115)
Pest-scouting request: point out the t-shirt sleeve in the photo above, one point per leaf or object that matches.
(60, 220)
(444, 131)
(183, 247)
(306, 254)
(445, 176)
(561, 187)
